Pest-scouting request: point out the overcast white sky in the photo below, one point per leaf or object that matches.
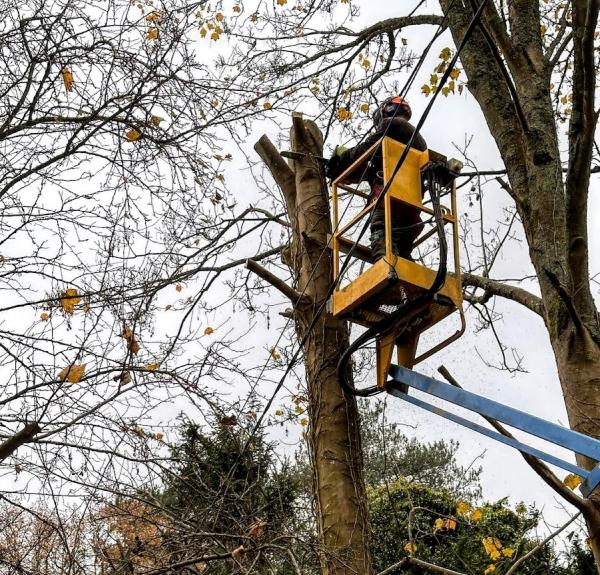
(538, 391)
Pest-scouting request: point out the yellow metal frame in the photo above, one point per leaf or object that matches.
(377, 283)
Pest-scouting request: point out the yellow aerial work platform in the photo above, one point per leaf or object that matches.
(386, 284)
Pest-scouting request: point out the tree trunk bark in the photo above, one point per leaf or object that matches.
(550, 209)
(334, 435)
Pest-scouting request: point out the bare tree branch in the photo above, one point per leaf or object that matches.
(495, 288)
(295, 296)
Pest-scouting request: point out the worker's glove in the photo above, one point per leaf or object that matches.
(333, 164)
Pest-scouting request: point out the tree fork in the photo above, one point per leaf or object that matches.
(334, 435)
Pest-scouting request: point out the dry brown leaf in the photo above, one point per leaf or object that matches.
(67, 79)
(228, 421)
(44, 316)
(257, 528)
(133, 135)
(72, 373)
(238, 553)
(132, 343)
(156, 120)
(68, 300)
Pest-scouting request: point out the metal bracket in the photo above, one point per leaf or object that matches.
(551, 432)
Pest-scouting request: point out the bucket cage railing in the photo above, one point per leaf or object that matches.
(385, 284)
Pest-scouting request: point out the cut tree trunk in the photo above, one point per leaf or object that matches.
(334, 435)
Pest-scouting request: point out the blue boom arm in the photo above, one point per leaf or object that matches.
(551, 432)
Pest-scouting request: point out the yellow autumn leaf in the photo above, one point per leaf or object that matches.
(278, 413)
(275, 355)
(303, 422)
(364, 108)
(433, 79)
(237, 8)
(152, 366)
(178, 287)
(153, 17)
(490, 569)
(44, 316)
(159, 436)
(426, 89)
(492, 547)
(445, 54)
(572, 481)
(410, 547)
(133, 135)
(343, 114)
(152, 34)
(208, 331)
(281, 2)
(215, 36)
(200, 567)
(438, 524)
(67, 76)
(366, 64)
(219, 17)
(203, 32)
(299, 410)
(508, 552)
(344, 1)
(156, 120)
(68, 300)
(476, 515)
(238, 553)
(72, 373)
(463, 508)
(254, 18)
(455, 74)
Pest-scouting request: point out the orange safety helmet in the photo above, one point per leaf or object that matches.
(392, 107)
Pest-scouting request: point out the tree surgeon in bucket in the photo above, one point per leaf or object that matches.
(391, 119)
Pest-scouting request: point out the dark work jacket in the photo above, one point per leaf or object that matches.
(396, 128)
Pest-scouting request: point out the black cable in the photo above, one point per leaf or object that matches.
(386, 324)
(346, 262)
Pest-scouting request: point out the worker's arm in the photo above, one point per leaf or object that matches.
(340, 162)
